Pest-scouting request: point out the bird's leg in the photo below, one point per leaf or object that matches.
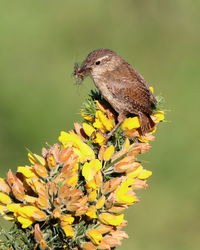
(120, 119)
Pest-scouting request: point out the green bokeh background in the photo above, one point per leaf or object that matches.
(39, 43)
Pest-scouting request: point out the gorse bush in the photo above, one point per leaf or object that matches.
(74, 195)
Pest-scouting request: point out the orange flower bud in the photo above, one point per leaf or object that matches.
(40, 170)
(16, 186)
(111, 185)
(125, 164)
(39, 238)
(139, 148)
(65, 154)
(88, 246)
(103, 229)
(109, 241)
(4, 186)
(51, 161)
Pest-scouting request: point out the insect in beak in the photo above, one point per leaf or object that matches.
(81, 72)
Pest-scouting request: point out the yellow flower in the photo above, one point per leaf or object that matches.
(100, 202)
(92, 195)
(111, 219)
(92, 185)
(14, 207)
(140, 173)
(97, 124)
(108, 153)
(26, 215)
(131, 123)
(100, 139)
(69, 231)
(94, 235)
(87, 117)
(71, 139)
(159, 115)
(4, 198)
(122, 192)
(72, 181)
(26, 222)
(34, 159)
(90, 169)
(67, 219)
(91, 212)
(51, 161)
(126, 144)
(96, 182)
(102, 122)
(27, 171)
(31, 211)
(88, 129)
(144, 174)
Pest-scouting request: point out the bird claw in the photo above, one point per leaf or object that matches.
(106, 136)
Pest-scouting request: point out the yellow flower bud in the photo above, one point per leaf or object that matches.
(27, 171)
(100, 202)
(88, 129)
(108, 153)
(111, 219)
(94, 235)
(4, 198)
(131, 123)
(92, 196)
(91, 212)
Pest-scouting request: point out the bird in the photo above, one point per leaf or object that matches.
(120, 85)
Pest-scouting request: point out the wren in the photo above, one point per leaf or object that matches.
(119, 83)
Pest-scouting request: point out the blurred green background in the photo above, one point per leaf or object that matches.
(39, 43)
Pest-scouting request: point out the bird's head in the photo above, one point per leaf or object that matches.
(97, 63)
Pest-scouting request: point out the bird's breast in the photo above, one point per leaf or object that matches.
(108, 92)
(104, 87)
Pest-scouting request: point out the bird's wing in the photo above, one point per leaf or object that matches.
(137, 96)
(131, 86)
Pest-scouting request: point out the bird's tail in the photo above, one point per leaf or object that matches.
(146, 123)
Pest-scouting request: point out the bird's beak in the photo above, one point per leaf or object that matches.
(80, 72)
(84, 69)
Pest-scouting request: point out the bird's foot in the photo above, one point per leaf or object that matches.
(109, 135)
(106, 136)
(121, 118)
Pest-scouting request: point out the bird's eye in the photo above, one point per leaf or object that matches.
(97, 62)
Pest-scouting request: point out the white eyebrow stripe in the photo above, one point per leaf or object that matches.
(103, 57)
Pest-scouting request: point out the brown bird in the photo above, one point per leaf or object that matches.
(120, 84)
